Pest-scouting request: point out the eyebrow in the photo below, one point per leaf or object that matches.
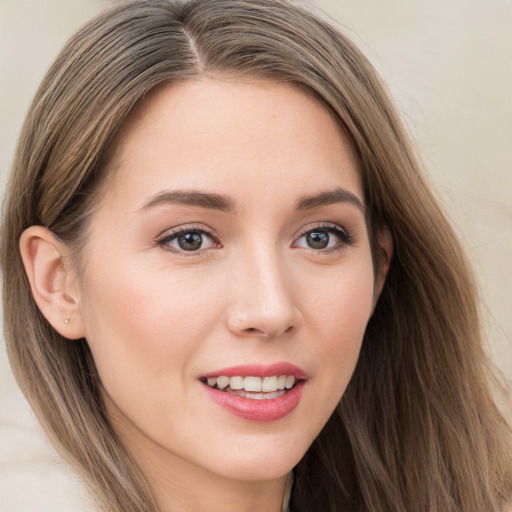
(192, 198)
(225, 204)
(338, 195)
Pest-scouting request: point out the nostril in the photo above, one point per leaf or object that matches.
(251, 321)
(268, 333)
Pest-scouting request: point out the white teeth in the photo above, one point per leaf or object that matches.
(236, 382)
(222, 382)
(269, 384)
(290, 381)
(256, 396)
(253, 385)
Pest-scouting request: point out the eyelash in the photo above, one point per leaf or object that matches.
(168, 237)
(345, 239)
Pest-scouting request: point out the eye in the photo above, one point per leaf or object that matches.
(324, 237)
(187, 240)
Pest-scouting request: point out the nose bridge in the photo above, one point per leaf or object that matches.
(265, 304)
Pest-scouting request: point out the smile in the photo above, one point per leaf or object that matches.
(257, 392)
(255, 388)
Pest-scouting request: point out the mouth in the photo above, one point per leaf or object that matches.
(256, 392)
(253, 387)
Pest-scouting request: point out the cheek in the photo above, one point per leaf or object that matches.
(338, 314)
(341, 303)
(139, 328)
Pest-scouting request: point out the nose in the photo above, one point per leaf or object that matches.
(264, 299)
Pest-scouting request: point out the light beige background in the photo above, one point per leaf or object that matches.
(448, 63)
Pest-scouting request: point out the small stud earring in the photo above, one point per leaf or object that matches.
(66, 320)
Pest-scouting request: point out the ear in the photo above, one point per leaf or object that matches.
(385, 248)
(53, 283)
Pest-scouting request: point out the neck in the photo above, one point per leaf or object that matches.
(179, 485)
(199, 491)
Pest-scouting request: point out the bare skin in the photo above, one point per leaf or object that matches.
(232, 233)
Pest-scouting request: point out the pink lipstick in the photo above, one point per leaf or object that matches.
(256, 392)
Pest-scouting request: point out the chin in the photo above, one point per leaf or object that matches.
(267, 460)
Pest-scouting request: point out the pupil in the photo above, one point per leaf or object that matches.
(190, 241)
(318, 239)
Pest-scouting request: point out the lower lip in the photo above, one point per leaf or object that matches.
(258, 410)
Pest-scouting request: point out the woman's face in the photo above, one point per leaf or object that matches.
(230, 249)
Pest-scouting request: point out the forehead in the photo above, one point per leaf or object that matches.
(234, 134)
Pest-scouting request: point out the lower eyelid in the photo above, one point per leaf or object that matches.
(345, 239)
(169, 236)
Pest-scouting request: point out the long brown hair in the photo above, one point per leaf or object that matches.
(417, 428)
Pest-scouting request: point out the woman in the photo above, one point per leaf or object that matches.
(224, 272)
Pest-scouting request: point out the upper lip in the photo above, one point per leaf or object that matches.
(260, 370)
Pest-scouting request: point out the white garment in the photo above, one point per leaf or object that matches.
(287, 493)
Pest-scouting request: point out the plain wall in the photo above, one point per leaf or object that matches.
(448, 64)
